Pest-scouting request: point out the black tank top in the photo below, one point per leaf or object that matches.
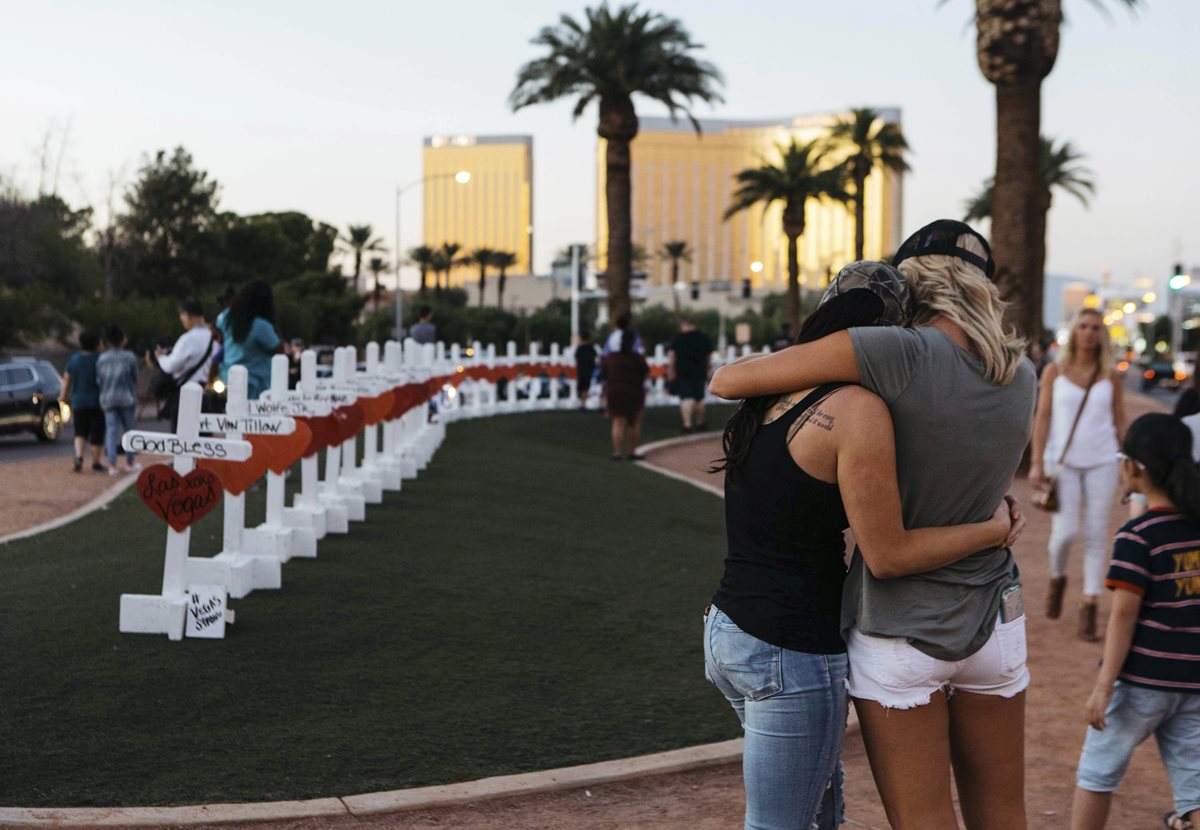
(786, 562)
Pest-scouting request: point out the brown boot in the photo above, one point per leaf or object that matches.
(1087, 622)
(1058, 585)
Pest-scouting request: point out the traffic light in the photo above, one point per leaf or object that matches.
(746, 288)
(1178, 279)
(695, 289)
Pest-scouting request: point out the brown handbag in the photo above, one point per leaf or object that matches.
(1047, 499)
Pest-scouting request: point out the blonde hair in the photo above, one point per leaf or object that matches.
(1070, 352)
(954, 289)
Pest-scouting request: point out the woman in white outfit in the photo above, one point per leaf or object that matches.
(1080, 392)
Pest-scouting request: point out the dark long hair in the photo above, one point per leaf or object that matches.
(625, 326)
(254, 300)
(859, 307)
(1163, 445)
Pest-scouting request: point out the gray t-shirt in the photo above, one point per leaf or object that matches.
(117, 372)
(423, 332)
(959, 439)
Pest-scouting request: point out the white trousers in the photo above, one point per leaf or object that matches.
(1084, 496)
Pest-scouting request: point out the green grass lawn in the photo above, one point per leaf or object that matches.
(525, 604)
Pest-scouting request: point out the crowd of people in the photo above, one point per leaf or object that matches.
(902, 412)
(103, 388)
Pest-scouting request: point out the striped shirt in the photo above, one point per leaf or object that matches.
(1157, 556)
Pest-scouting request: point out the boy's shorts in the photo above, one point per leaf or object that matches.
(1134, 714)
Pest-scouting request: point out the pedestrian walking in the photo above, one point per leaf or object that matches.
(117, 372)
(248, 336)
(1148, 683)
(186, 362)
(612, 343)
(689, 363)
(81, 390)
(1079, 424)
(585, 367)
(800, 468)
(624, 372)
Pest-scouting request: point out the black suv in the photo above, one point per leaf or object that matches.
(29, 390)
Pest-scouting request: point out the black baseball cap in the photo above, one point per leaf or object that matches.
(941, 237)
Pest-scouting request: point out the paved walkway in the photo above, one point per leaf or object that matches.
(1063, 671)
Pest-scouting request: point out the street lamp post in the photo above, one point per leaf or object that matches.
(461, 177)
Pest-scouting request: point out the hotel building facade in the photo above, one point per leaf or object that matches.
(494, 209)
(682, 184)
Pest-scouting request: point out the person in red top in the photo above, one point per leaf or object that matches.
(1149, 681)
(624, 371)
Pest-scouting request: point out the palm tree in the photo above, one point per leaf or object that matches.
(610, 57)
(871, 143)
(1059, 168)
(796, 178)
(676, 250)
(359, 240)
(439, 262)
(377, 265)
(483, 258)
(422, 257)
(1016, 46)
(450, 253)
(503, 260)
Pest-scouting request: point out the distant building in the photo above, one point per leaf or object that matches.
(494, 209)
(682, 184)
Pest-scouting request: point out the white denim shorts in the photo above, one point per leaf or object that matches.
(889, 671)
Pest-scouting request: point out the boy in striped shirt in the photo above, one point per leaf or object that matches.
(1149, 680)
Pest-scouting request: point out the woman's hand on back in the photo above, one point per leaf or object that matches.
(1016, 520)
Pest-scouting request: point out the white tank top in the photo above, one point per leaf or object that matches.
(1095, 440)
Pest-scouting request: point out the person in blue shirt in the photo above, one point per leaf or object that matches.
(248, 336)
(81, 389)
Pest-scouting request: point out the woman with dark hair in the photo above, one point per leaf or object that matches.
(937, 659)
(1189, 399)
(248, 336)
(1148, 682)
(799, 468)
(624, 371)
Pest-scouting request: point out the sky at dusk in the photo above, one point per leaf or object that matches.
(321, 107)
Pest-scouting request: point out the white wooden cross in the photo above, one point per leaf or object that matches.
(308, 509)
(165, 613)
(246, 561)
(352, 475)
(290, 535)
(336, 491)
(380, 458)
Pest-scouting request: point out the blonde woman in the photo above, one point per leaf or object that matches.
(937, 659)
(1077, 430)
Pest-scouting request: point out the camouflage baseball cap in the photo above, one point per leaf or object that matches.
(882, 280)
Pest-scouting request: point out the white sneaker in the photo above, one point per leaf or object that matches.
(134, 468)
(113, 471)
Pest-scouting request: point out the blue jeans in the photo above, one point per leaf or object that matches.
(1133, 715)
(792, 706)
(117, 421)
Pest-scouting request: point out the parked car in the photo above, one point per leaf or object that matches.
(1158, 371)
(29, 398)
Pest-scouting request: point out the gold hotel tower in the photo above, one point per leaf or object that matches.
(492, 210)
(682, 184)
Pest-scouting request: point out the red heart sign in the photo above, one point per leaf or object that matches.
(180, 501)
(237, 476)
(324, 431)
(283, 451)
(350, 421)
(377, 408)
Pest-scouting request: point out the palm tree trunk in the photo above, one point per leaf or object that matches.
(675, 283)
(860, 212)
(357, 268)
(500, 290)
(424, 279)
(376, 293)
(620, 226)
(1018, 220)
(793, 286)
(482, 282)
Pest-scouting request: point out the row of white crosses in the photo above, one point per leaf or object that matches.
(393, 451)
(251, 558)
